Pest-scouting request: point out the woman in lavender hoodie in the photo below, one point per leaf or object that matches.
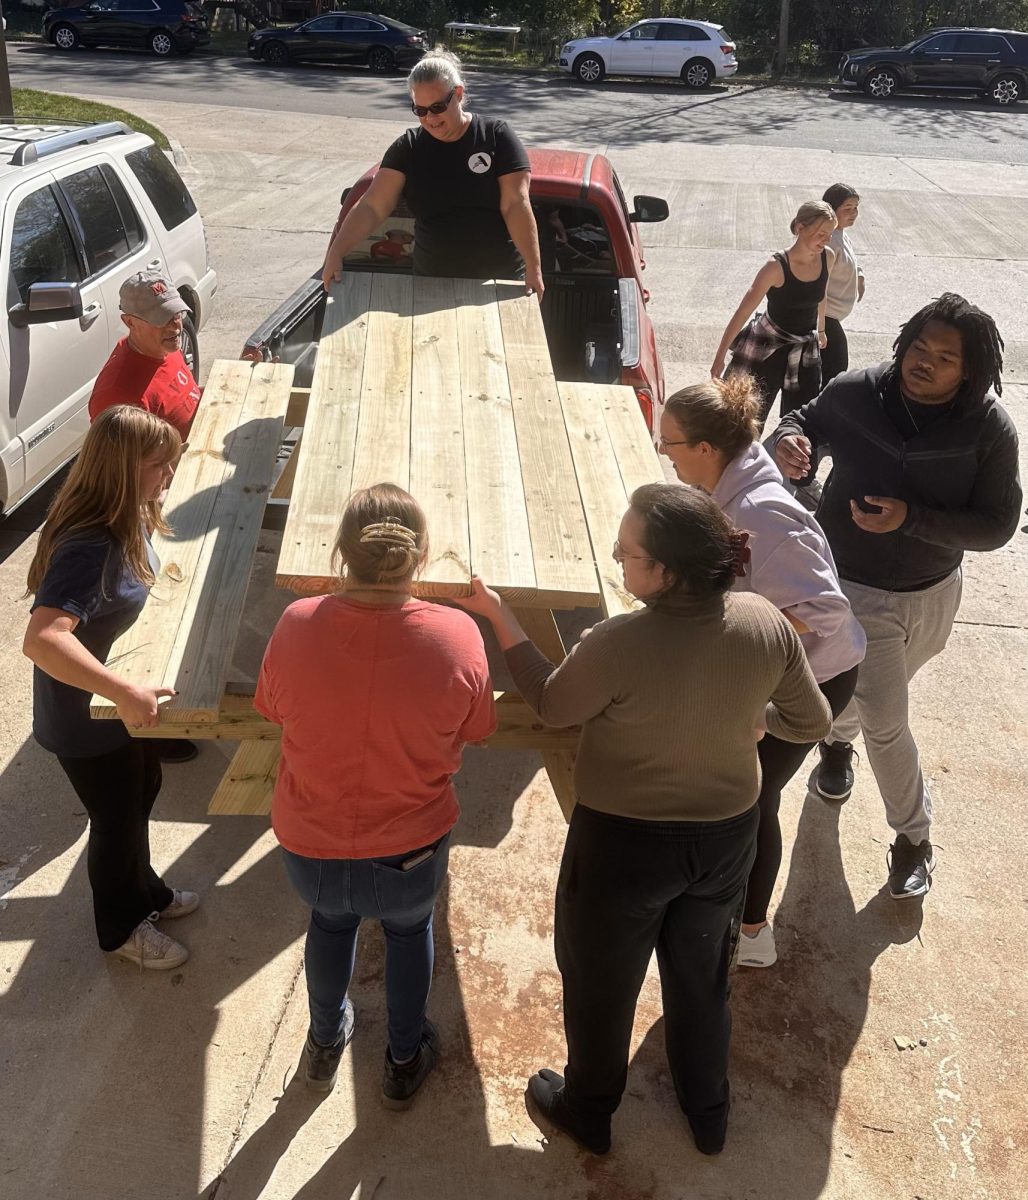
(709, 433)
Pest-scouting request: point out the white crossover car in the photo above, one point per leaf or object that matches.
(694, 51)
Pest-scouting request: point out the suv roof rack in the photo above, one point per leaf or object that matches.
(31, 149)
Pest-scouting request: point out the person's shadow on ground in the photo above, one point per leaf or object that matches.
(795, 1030)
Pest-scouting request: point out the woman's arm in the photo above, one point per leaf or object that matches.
(50, 642)
(797, 711)
(516, 210)
(579, 688)
(770, 275)
(366, 215)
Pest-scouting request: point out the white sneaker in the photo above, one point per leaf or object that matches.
(181, 906)
(758, 950)
(151, 950)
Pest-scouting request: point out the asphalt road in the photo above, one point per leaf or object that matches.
(543, 106)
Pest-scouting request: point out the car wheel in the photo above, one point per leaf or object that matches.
(881, 84)
(697, 74)
(1006, 89)
(588, 68)
(65, 37)
(161, 43)
(275, 54)
(190, 345)
(381, 60)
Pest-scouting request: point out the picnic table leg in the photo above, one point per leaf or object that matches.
(248, 783)
(540, 626)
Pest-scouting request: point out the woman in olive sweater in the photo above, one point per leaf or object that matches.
(672, 700)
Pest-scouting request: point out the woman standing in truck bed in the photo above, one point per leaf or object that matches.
(464, 177)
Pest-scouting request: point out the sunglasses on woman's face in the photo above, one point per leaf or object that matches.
(440, 106)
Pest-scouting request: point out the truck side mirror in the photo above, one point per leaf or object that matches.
(47, 302)
(649, 209)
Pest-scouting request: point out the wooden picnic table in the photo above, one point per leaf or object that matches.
(445, 387)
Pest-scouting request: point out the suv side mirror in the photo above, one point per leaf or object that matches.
(47, 302)
(649, 209)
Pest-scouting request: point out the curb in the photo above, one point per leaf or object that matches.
(177, 152)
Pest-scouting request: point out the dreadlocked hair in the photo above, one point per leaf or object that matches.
(982, 344)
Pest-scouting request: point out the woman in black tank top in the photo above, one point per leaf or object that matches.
(794, 283)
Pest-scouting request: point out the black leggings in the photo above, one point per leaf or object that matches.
(118, 791)
(770, 375)
(835, 357)
(779, 762)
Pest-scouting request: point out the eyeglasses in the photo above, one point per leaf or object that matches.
(619, 555)
(663, 443)
(440, 106)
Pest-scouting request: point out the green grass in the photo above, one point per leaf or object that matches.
(47, 106)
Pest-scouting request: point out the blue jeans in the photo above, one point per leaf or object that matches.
(340, 892)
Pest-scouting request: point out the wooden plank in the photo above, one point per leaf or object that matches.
(601, 485)
(637, 457)
(560, 764)
(518, 728)
(249, 783)
(561, 550)
(283, 488)
(438, 477)
(185, 636)
(142, 652)
(296, 413)
(382, 452)
(500, 541)
(323, 475)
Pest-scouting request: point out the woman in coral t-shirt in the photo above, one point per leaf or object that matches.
(376, 693)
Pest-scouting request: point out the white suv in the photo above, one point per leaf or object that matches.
(695, 51)
(82, 209)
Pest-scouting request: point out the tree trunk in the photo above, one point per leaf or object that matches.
(783, 39)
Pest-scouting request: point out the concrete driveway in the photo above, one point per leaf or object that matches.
(120, 1086)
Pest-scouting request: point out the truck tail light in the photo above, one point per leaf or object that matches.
(645, 398)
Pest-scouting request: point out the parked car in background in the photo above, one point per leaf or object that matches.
(694, 51)
(993, 62)
(81, 209)
(344, 37)
(594, 306)
(161, 26)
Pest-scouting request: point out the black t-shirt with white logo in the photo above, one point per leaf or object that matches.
(453, 190)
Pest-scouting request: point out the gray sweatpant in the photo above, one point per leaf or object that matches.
(904, 630)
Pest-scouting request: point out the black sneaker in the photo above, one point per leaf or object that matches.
(401, 1080)
(322, 1062)
(546, 1096)
(834, 779)
(176, 750)
(910, 868)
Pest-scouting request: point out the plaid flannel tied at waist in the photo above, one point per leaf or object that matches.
(762, 337)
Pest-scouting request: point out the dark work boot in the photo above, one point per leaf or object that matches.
(545, 1097)
(401, 1080)
(322, 1062)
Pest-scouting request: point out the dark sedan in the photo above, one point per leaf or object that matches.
(344, 37)
(160, 26)
(989, 61)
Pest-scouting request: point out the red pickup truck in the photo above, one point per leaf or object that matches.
(594, 307)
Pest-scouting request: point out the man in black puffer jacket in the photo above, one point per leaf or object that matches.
(924, 467)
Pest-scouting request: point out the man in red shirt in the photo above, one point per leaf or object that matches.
(147, 368)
